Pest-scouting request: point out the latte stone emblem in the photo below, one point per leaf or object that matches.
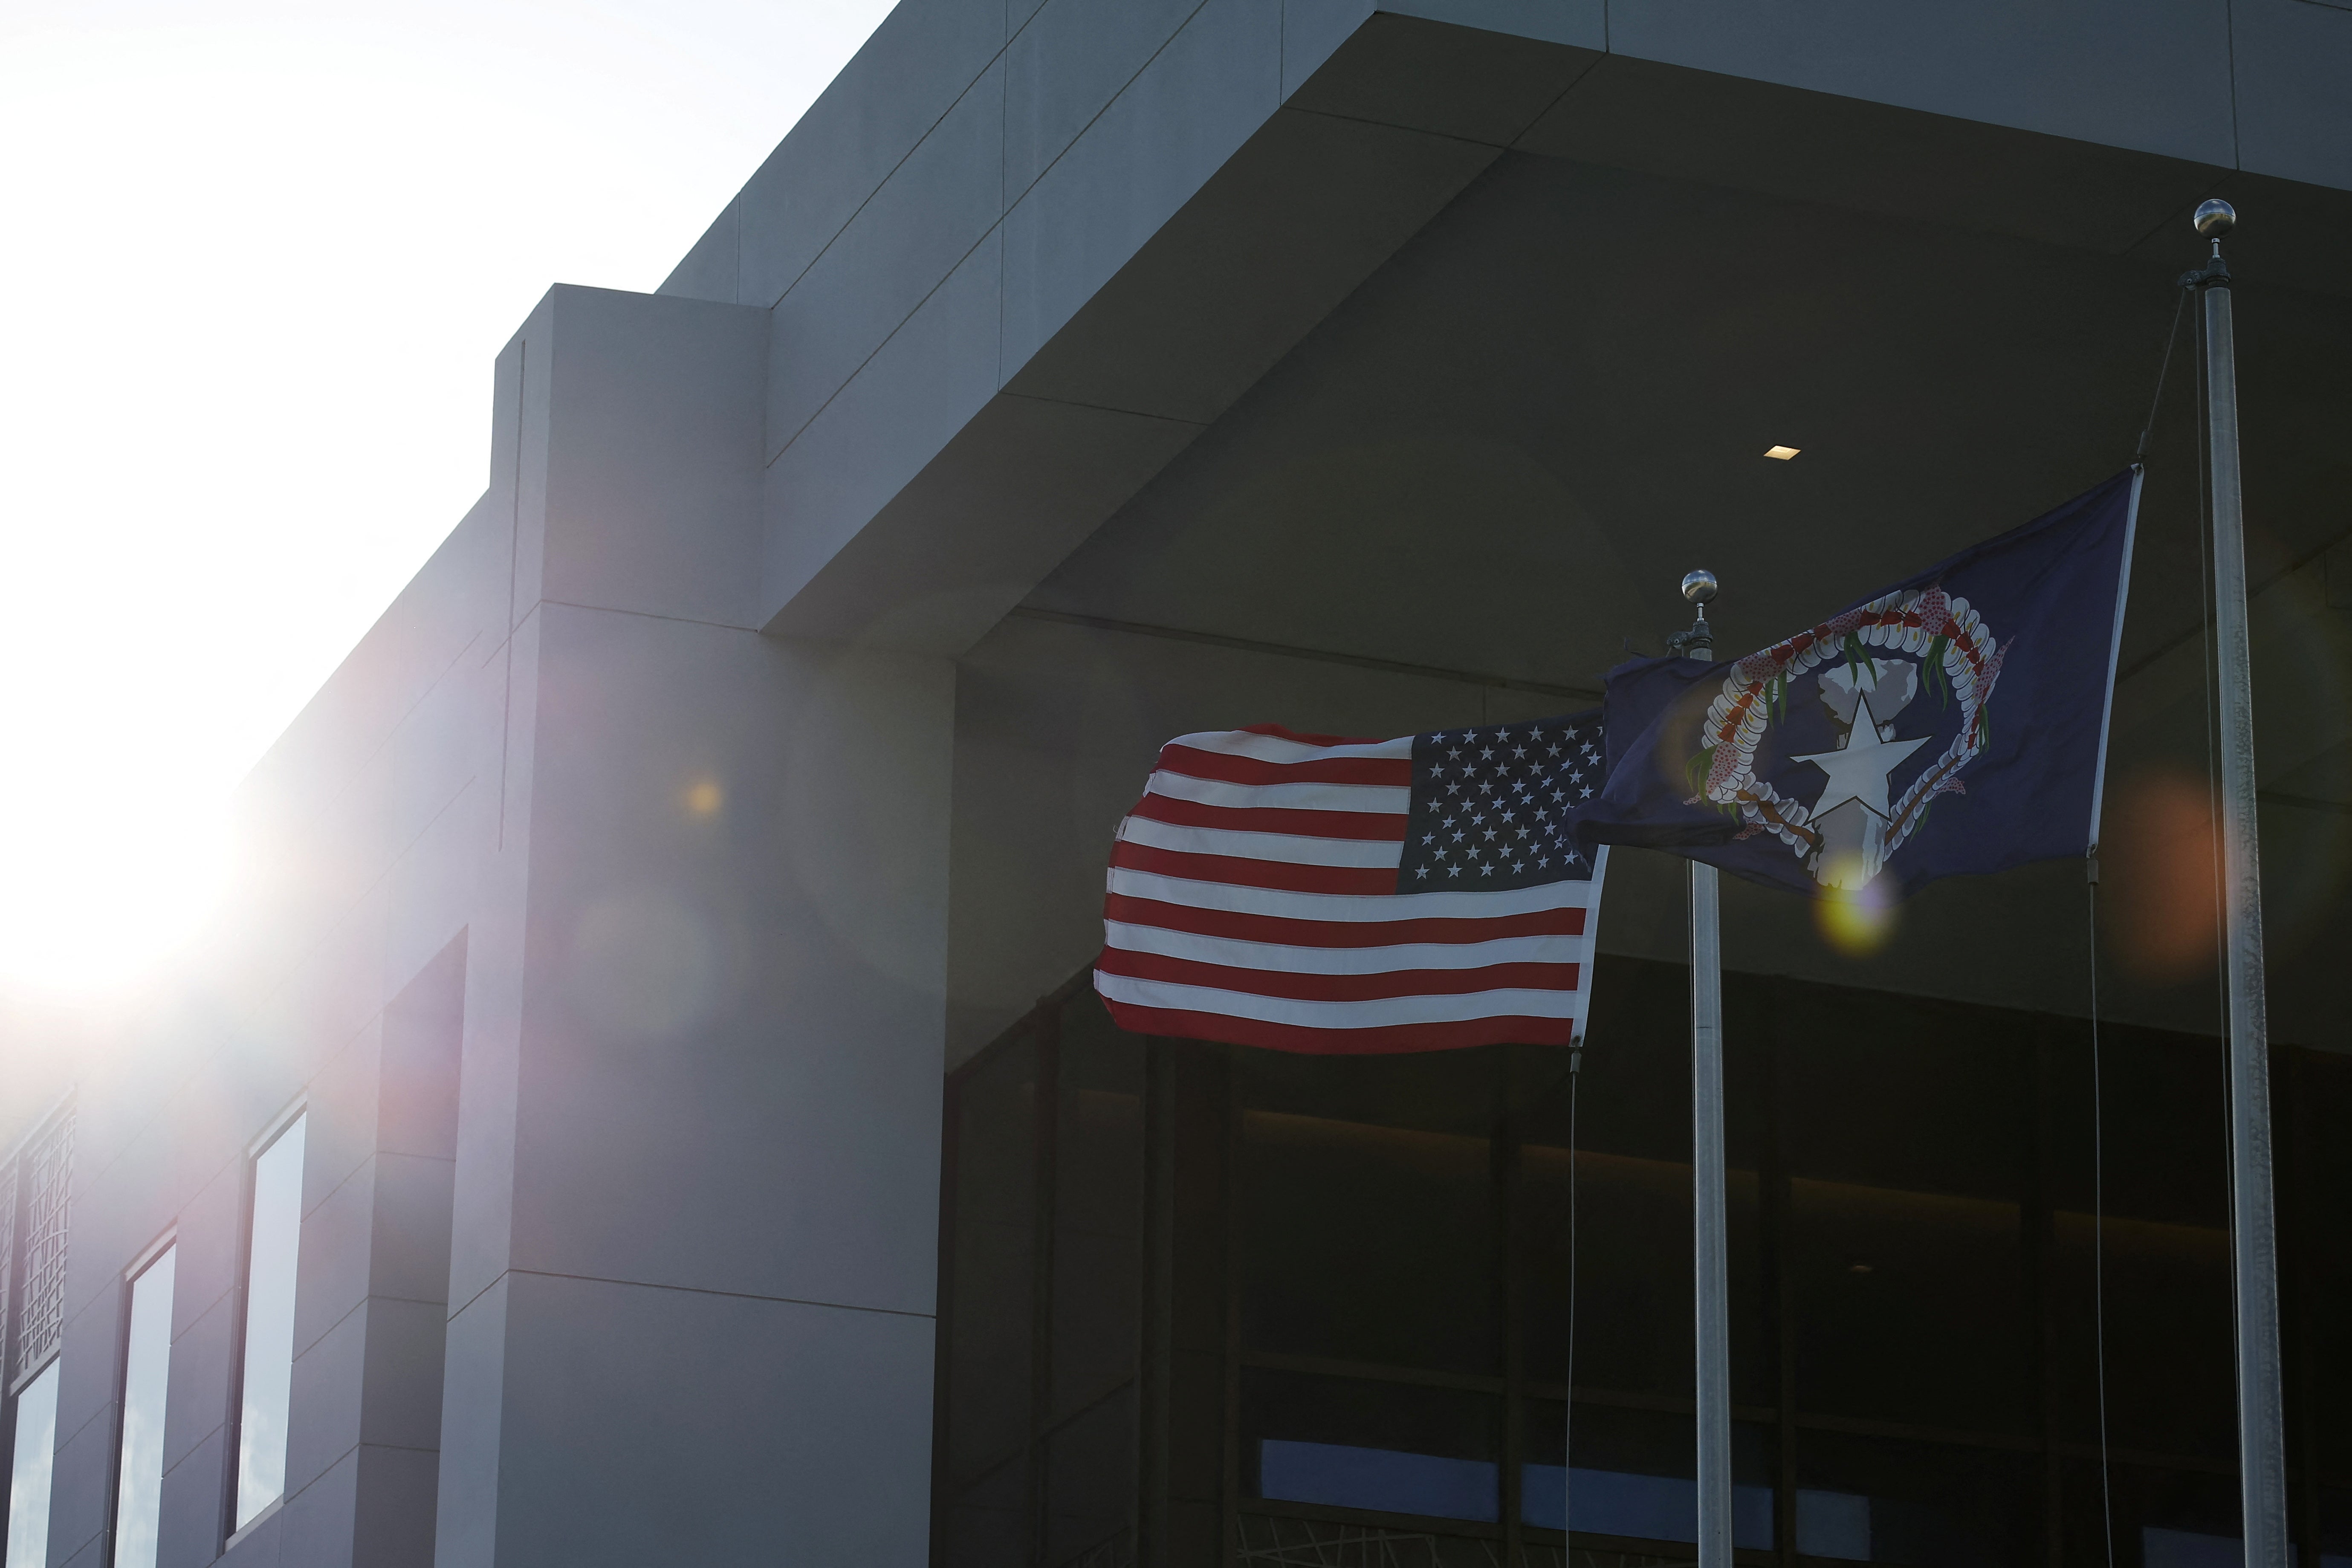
(1876, 662)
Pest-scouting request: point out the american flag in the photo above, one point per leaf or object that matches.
(1313, 893)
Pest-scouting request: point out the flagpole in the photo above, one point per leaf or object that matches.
(1712, 1313)
(2262, 1443)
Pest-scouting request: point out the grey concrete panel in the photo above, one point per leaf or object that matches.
(2293, 61)
(1460, 82)
(755, 1430)
(259, 1545)
(1725, 130)
(1490, 438)
(1313, 30)
(405, 1343)
(533, 398)
(408, 1255)
(341, 1102)
(2150, 77)
(1144, 157)
(118, 1210)
(188, 1524)
(90, 1362)
(473, 1409)
(1070, 58)
(375, 1377)
(196, 1401)
(1023, 482)
(917, 64)
(730, 1044)
(911, 399)
(331, 1266)
(495, 510)
(652, 498)
(206, 1269)
(395, 1508)
(424, 1030)
(710, 271)
(78, 1485)
(918, 227)
(482, 1192)
(325, 1401)
(1290, 224)
(436, 888)
(317, 1522)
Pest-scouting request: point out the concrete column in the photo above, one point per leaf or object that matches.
(693, 1263)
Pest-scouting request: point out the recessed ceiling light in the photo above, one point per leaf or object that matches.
(1783, 453)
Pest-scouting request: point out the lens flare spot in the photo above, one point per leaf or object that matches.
(2159, 901)
(1858, 917)
(704, 798)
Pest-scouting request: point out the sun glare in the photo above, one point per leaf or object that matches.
(262, 258)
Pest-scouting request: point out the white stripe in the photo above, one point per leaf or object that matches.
(1275, 749)
(1389, 799)
(1386, 1011)
(1376, 854)
(1276, 901)
(1234, 952)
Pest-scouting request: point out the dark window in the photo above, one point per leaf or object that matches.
(1206, 1304)
(1039, 1401)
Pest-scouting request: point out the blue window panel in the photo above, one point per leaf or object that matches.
(1338, 1475)
(1650, 1508)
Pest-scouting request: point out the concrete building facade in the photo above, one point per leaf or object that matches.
(1074, 376)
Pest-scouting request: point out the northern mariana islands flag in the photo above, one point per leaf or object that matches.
(1955, 723)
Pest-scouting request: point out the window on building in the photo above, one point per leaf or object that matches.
(36, 1191)
(1207, 1304)
(275, 1240)
(28, 1475)
(146, 1373)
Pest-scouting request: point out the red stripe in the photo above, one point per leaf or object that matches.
(1393, 772)
(1235, 870)
(1305, 739)
(1336, 934)
(1379, 826)
(1339, 987)
(1384, 1040)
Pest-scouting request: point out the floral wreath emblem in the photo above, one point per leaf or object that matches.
(1851, 829)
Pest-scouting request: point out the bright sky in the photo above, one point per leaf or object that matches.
(256, 259)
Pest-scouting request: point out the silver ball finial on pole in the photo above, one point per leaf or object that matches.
(2215, 218)
(1698, 588)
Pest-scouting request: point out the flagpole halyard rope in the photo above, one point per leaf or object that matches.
(2181, 303)
(2091, 906)
(2099, 1231)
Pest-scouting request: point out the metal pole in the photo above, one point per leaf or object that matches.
(1713, 1316)
(2262, 1428)
(1712, 1312)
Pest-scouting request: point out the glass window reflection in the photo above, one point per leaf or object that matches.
(28, 1479)
(269, 1323)
(146, 1375)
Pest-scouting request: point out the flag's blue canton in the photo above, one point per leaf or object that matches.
(1496, 806)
